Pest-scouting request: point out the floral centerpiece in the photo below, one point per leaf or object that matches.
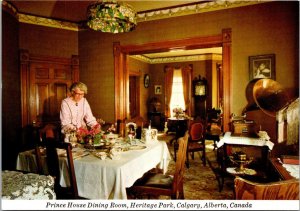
(94, 134)
(178, 112)
(90, 134)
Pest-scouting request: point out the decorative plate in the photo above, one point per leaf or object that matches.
(146, 80)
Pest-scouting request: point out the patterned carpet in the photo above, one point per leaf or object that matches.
(200, 181)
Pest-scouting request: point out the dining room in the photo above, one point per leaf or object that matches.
(208, 50)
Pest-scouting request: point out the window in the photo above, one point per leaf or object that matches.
(177, 98)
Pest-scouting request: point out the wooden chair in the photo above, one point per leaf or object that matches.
(213, 118)
(281, 190)
(156, 184)
(181, 126)
(51, 130)
(54, 168)
(48, 131)
(214, 126)
(196, 142)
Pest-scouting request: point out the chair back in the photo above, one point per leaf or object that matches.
(48, 131)
(196, 131)
(54, 169)
(177, 186)
(284, 190)
(139, 121)
(214, 119)
(51, 130)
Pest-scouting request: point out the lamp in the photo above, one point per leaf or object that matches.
(111, 17)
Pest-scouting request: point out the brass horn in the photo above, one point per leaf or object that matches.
(267, 95)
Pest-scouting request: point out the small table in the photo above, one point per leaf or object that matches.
(178, 125)
(245, 142)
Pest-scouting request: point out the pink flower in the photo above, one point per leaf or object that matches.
(84, 132)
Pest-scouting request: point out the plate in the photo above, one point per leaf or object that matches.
(249, 171)
(234, 171)
(137, 147)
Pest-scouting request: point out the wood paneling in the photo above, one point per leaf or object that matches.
(45, 81)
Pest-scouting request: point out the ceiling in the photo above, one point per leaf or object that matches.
(60, 10)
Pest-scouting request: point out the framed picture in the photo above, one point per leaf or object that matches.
(146, 80)
(262, 66)
(157, 89)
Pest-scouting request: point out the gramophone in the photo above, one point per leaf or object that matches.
(266, 95)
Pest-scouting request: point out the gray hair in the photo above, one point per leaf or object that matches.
(80, 86)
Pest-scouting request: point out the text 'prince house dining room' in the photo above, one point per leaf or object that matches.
(189, 100)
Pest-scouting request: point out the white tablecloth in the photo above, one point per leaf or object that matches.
(241, 140)
(108, 179)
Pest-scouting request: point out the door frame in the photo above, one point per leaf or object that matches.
(121, 71)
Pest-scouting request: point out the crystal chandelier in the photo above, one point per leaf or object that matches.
(111, 17)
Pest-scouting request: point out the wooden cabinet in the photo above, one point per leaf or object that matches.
(157, 120)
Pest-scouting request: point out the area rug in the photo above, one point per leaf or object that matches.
(200, 182)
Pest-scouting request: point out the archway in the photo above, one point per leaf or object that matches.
(122, 74)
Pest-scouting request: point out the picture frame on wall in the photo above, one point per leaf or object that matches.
(157, 89)
(262, 66)
(146, 80)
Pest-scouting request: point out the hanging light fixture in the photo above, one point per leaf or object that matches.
(111, 17)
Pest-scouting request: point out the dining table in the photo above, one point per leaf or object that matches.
(106, 177)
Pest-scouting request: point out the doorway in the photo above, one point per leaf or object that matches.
(122, 74)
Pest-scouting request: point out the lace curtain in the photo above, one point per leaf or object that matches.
(292, 117)
(288, 123)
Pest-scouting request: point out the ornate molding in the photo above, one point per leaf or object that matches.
(30, 19)
(47, 22)
(199, 7)
(202, 57)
